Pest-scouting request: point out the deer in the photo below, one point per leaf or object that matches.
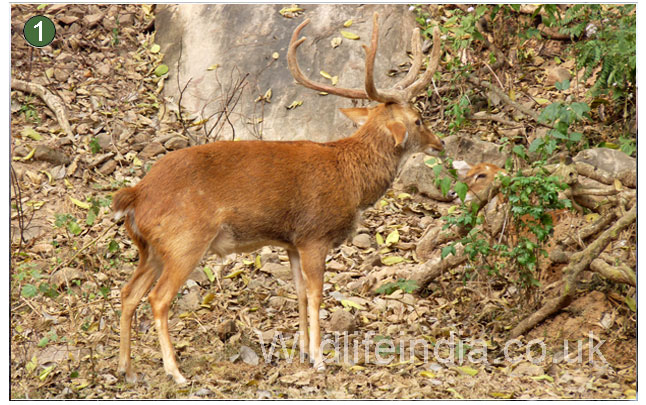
(232, 197)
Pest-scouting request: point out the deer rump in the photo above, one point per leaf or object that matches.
(241, 212)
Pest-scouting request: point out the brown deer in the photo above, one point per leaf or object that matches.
(226, 197)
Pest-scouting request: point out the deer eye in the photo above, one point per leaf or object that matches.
(481, 176)
(418, 122)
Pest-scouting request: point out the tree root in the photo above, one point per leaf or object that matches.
(578, 262)
(53, 102)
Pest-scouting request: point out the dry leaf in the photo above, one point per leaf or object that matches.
(336, 41)
(349, 35)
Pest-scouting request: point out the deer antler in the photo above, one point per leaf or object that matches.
(292, 63)
(401, 93)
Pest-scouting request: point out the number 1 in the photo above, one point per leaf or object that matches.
(40, 30)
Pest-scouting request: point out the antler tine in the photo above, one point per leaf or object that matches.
(431, 68)
(298, 75)
(382, 96)
(416, 64)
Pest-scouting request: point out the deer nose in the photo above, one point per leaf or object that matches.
(443, 144)
(452, 194)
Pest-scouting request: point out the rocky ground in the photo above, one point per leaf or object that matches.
(69, 262)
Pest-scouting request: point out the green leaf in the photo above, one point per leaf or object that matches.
(461, 189)
(352, 304)
(155, 48)
(161, 70)
(564, 85)
(543, 377)
(467, 370)
(520, 151)
(41, 6)
(632, 304)
(43, 374)
(448, 250)
(380, 239)
(91, 216)
(536, 144)
(349, 35)
(29, 132)
(392, 237)
(113, 246)
(209, 273)
(391, 260)
(73, 227)
(445, 185)
(43, 342)
(31, 364)
(580, 109)
(29, 290)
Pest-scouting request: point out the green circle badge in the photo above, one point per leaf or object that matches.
(39, 31)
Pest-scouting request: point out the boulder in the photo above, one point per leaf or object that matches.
(243, 39)
(474, 151)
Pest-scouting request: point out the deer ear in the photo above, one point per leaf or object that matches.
(398, 131)
(462, 167)
(358, 114)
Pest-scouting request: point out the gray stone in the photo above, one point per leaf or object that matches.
(611, 161)
(249, 356)
(342, 321)
(104, 140)
(363, 241)
(66, 274)
(416, 176)
(176, 143)
(50, 155)
(189, 302)
(557, 74)
(108, 167)
(150, 150)
(244, 37)
(277, 270)
(473, 151)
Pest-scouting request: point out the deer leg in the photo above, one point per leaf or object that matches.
(313, 267)
(131, 294)
(176, 271)
(303, 337)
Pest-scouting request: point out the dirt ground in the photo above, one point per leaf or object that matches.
(67, 272)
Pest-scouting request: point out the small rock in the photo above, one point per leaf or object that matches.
(269, 257)
(248, 355)
(278, 302)
(278, 270)
(527, 369)
(334, 265)
(44, 248)
(151, 149)
(65, 57)
(362, 241)
(66, 273)
(226, 329)
(92, 19)
(176, 143)
(342, 321)
(109, 379)
(557, 74)
(126, 19)
(103, 69)
(50, 155)
(108, 167)
(67, 19)
(203, 392)
(189, 302)
(198, 276)
(104, 140)
(61, 75)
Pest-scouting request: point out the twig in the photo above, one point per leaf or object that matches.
(578, 262)
(506, 99)
(84, 247)
(53, 102)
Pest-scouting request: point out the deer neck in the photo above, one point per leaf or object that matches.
(370, 162)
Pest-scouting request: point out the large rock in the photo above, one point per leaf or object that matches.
(612, 161)
(416, 176)
(242, 38)
(474, 151)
